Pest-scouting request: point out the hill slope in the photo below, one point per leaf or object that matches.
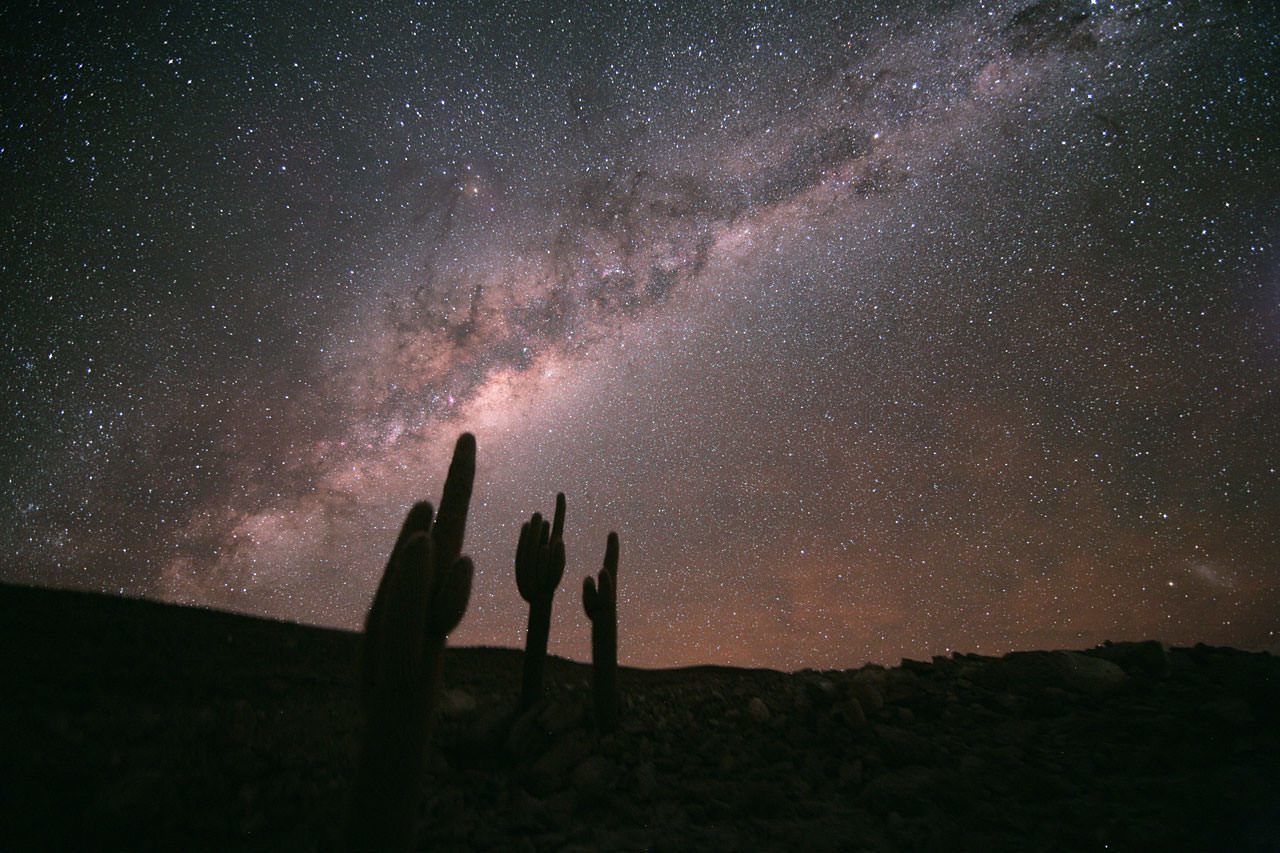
(137, 725)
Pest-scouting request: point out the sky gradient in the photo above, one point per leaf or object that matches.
(874, 331)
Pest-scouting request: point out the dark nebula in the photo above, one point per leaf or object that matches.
(873, 330)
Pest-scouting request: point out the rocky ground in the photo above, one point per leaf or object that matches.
(137, 726)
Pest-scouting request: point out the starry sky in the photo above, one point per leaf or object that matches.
(875, 330)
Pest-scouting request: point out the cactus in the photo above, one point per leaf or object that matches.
(422, 596)
(539, 568)
(601, 604)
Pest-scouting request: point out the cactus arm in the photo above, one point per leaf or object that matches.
(611, 557)
(557, 527)
(417, 521)
(451, 520)
(540, 558)
(600, 600)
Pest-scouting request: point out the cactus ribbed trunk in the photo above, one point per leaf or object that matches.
(535, 651)
(393, 763)
(604, 669)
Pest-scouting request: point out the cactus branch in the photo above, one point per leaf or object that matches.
(540, 558)
(600, 600)
(421, 597)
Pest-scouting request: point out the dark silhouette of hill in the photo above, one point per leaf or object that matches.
(136, 725)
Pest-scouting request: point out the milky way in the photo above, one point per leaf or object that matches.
(874, 331)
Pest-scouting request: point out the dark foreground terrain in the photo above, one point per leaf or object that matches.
(137, 726)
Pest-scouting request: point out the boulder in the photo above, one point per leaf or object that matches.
(594, 775)
(1147, 659)
(1090, 675)
(456, 702)
(758, 710)
(850, 713)
(868, 692)
(1019, 672)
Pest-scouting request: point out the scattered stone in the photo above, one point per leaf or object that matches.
(851, 714)
(593, 775)
(559, 810)
(561, 715)
(902, 686)
(1087, 750)
(850, 772)
(646, 777)
(527, 737)
(456, 702)
(550, 772)
(906, 788)
(868, 694)
(1232, 710)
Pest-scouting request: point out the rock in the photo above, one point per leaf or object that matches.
(646, 780)
(527, 736)
(902, 685)
(594, 775)
(850, 713)
(561, 716)
(820, 692)
(206, 718)
(1023, 672)
(1006, 702)
(1148, 659)
(1090, 675)
(850, 773)
(904, 789)
(559, 810)
(900, 748)
(868, 692)
(139, 796)
(1231, 710)
(550, 772)
(633, 725)
(758, 710)
(760, 797)
(456, 702)
(525, 812)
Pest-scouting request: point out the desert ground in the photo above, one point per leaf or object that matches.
(134, 725)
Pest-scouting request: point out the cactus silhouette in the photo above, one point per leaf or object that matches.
(422, 596)
(601, 604)
(539, 568)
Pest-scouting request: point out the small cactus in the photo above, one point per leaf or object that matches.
(539, 568)
(601, 604)
(422, 596)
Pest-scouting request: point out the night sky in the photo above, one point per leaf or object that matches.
(874, 330)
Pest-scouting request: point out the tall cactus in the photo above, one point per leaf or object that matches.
(421, 598)
(539, 568)
(601, 604)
